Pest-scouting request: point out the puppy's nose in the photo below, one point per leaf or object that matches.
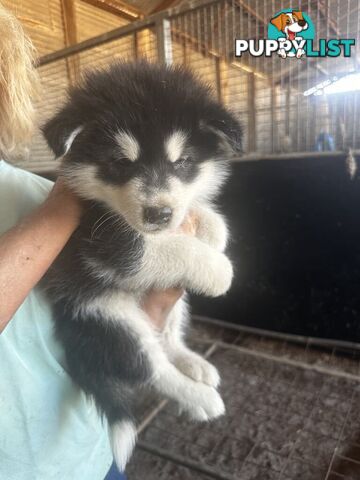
(157, 215)
(302, 23)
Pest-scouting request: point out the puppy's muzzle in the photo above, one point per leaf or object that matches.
(157, 215)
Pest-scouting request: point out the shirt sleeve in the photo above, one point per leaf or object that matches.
(20, 193)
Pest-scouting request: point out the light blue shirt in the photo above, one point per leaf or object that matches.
(48, 429)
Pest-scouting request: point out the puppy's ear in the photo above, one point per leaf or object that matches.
(227, 129)
(61, 131)
(298, 14)
(278, 22)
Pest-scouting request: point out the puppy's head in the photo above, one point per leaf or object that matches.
(148, 141)
(290, 23)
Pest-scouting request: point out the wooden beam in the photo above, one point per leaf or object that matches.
(117, 7)
(69, 19)
(163, 5)
(218, 78)
(70, 37)
(135, 45)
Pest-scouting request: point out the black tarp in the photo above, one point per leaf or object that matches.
(296, 248)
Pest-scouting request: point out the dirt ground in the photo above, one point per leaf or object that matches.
(293, 412)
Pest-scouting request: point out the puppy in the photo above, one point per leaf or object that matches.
(291, 24)
(143, 145)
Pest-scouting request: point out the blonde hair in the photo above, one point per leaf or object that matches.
(19, 84)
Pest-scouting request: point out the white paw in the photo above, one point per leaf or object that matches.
(197, 368)
(197, 414)
(207, 404)
(219, 277)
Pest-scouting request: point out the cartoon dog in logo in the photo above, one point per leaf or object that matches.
(291, 24)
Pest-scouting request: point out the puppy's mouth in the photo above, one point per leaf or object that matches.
(294, 29)
(150, 228)
(291, 35)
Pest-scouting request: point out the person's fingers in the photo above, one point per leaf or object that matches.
(159, 303)
(189, 225)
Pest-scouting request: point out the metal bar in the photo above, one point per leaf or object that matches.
(251, 113)
(338, 442)
(163, 39)
(289, 361)
(321, 342)
(122, 31)
(273, 110)
(181, 460)
(292, 156)
(251, 12)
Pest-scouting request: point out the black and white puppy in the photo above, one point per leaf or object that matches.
(143, 145)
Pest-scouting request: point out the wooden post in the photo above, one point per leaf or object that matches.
(164, 44)
(184, 50)
(70, 37)
(218, 78)
(135, 45)
(251, 113)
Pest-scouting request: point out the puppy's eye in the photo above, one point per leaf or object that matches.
(288, 21)
(182, 161)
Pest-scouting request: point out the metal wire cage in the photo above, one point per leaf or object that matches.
(266, 93)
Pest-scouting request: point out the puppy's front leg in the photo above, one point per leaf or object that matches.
(183, 261)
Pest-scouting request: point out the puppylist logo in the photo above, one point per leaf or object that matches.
(291, 33)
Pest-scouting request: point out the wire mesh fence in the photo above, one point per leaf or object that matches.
(266, 93)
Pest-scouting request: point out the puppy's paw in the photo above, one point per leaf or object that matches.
(219, 276)
(197, 414)
(197, 368)
(207, 406)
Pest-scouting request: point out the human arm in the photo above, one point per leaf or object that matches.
(28, 249)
